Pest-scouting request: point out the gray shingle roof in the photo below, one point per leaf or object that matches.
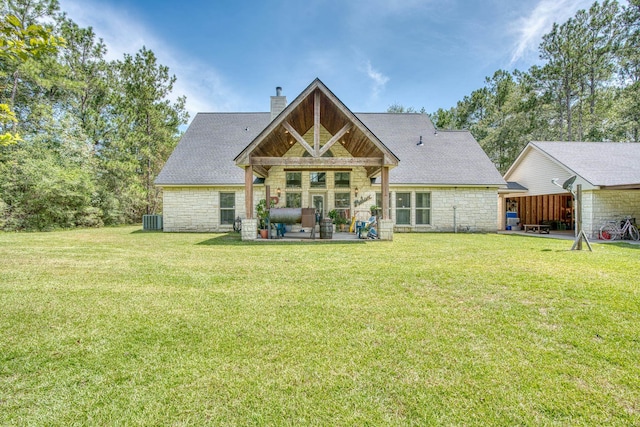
(445, 158)
(600, 163)
(512, 185)
(205, 154)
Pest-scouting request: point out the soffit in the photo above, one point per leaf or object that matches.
(317, 105)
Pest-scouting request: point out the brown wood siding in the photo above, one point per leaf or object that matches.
(537, 209)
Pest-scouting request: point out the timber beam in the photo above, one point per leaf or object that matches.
(317, 161)
(294, 133)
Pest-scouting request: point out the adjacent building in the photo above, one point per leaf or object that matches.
(609, 173)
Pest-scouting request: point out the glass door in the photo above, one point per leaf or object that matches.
(317, 201)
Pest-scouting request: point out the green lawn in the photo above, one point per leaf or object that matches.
(116, 326)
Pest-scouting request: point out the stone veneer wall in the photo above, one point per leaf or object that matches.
(359, 179)
(599, 206)
(197, 208)
(385, 229)
(249, 229)
(475, 209)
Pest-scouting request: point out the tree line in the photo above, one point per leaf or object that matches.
(587, 88)
(81, 138)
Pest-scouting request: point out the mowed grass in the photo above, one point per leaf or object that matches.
(116, 326)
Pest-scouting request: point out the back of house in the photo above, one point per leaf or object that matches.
(315, 152)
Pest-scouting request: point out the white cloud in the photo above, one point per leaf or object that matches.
(530, 29)
(118, 30)
(379, 80)
(124, 34)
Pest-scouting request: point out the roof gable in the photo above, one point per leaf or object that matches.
(598, 164)
(317, 109)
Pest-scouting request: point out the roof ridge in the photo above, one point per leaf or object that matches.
(584, 142)
(389, 112)
(232, 112)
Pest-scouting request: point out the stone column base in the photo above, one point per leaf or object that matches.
(385, 229)
(249, 229)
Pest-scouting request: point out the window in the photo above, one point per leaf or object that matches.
(342, 180)
(423, 208)
(294, 179)
(318, 180)
(379, 204)
(403, 208)
(293, 200)
(343, 200)
(343, 203)
(227, 208)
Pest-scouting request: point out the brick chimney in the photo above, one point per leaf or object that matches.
(278, 103)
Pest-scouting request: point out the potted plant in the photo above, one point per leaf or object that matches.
(263, 216)
(342, 223)
(333, 214)
(374, 210)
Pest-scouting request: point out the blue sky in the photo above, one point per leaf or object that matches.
(230, 55)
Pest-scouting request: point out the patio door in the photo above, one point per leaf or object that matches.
(317, 201)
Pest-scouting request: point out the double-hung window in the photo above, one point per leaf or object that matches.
(294, 180)
(343, 203)
(318, 180)
(227, 208)
(293, 200)
(403, 208)
(423, 208)
(342, 180)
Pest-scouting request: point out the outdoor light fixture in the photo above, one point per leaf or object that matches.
(356, 191)
(420, 143)
(278, 192)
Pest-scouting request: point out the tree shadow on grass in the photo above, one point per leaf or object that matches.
(223, 239)
(143, 231)
(585, 248)
(233, 239)
(626, 245)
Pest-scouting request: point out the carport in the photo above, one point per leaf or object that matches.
(555, 210)
(608, 172)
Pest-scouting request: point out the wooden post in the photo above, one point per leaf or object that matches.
(267, 190)
(385, 192)
(578, 213)
(316, 123)
(248, 191)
